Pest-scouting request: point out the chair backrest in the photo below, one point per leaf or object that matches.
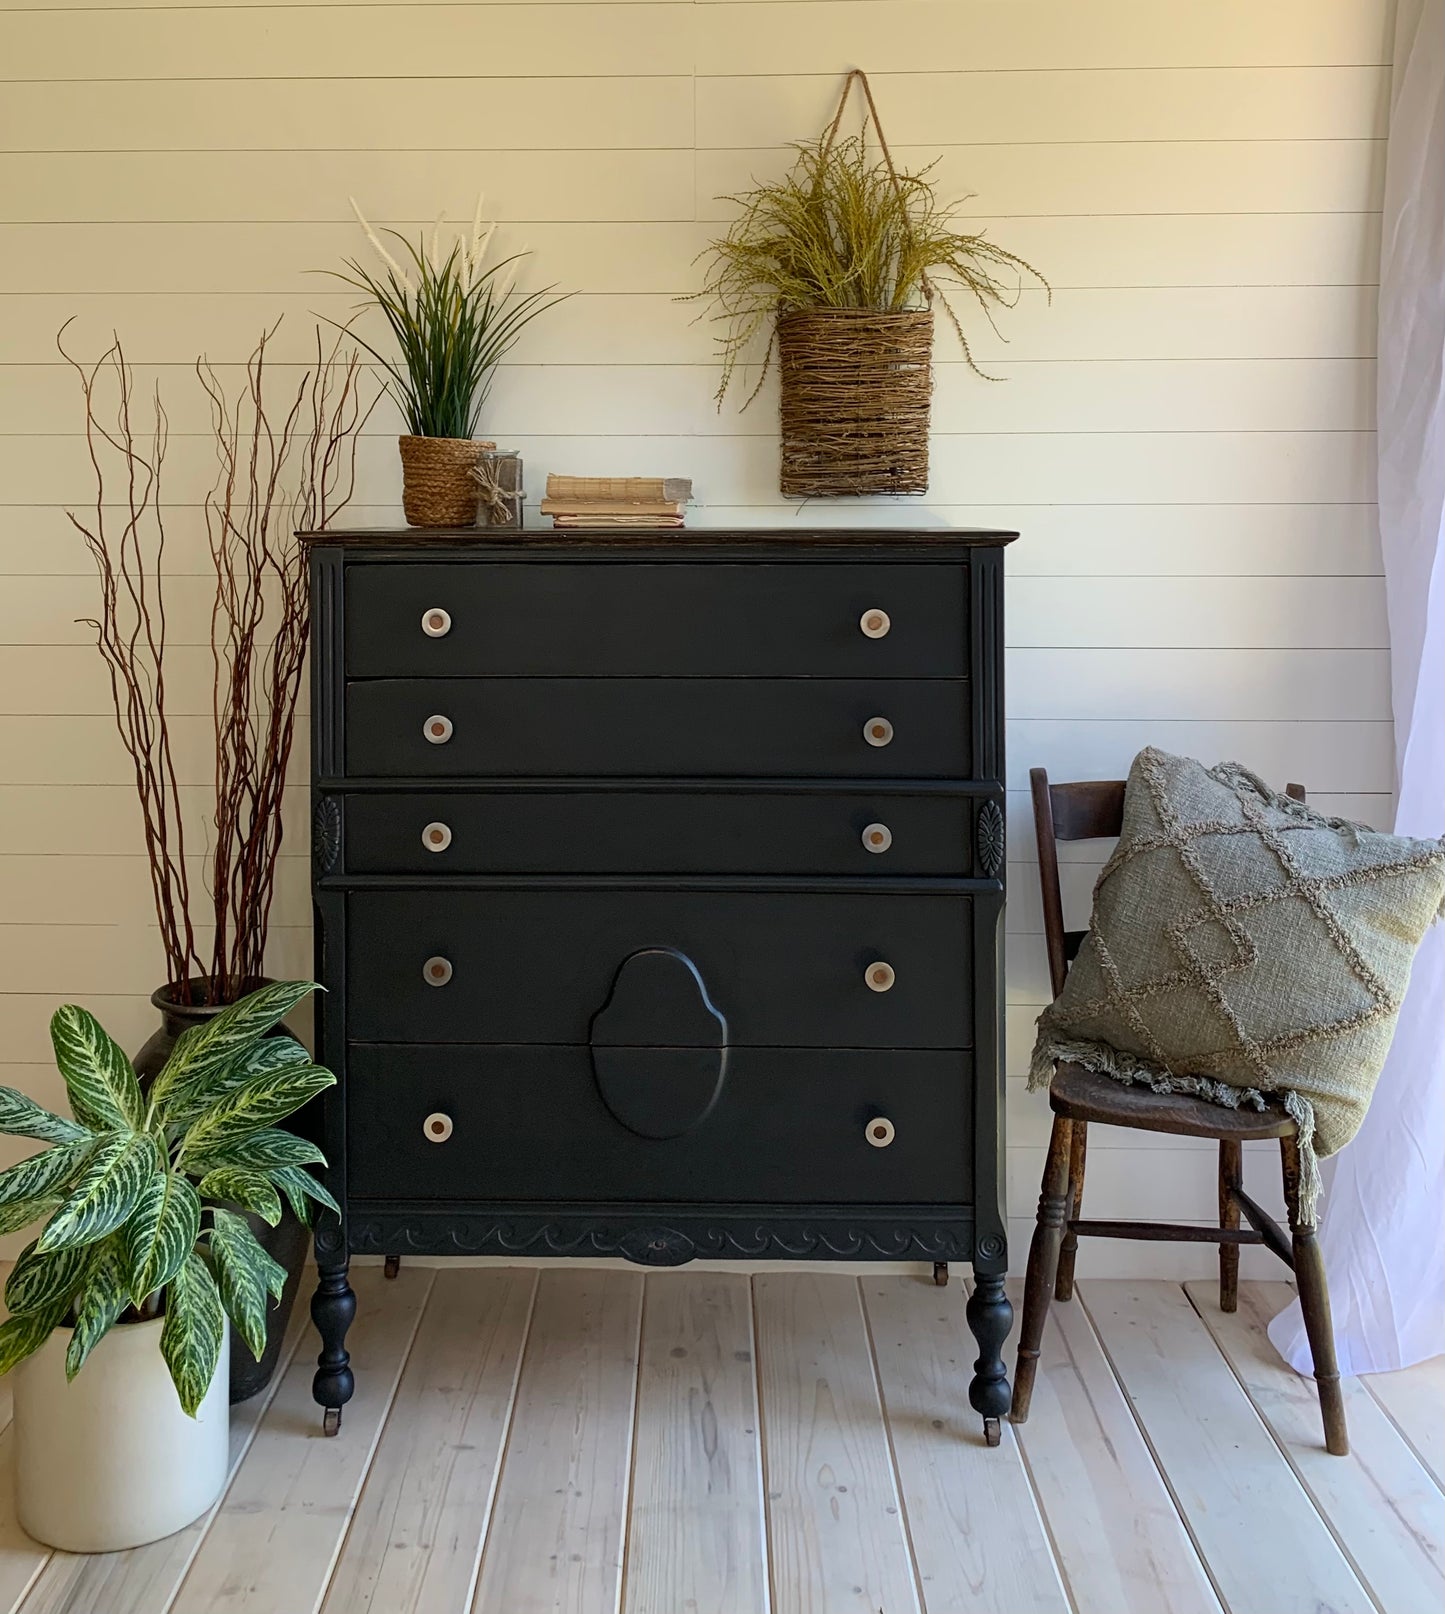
(1087, 810)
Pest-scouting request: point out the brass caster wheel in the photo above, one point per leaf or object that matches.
(992, 1433)
(331, 1421)
(392, 1267)
(940, 1274)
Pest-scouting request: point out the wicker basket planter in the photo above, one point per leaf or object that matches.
(855, 401)
(438, 489)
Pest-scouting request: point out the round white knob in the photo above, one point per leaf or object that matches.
(438, 971)
(874, 623)
(436, 623)
(879, 976)
(878, 731)
(438, 729)
(877, 838)
(879, 1132)
(436, 837)
(437, 1128)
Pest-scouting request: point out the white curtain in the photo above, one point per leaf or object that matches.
(1383, 1226)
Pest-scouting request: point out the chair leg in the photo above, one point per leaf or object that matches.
(1078, 1147)
(1314, 1298)
(1043, 1264)
(1231, 1169)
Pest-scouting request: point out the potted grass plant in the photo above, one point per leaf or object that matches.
(841, 261)
(452, 320)
(122, 1308)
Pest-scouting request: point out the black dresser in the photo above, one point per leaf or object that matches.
(659, 902)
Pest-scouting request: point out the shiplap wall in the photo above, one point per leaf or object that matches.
(1184, 437)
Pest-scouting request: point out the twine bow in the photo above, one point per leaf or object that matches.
(496, 501)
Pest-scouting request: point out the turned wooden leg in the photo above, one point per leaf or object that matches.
(1314, 1299)
(1043, 1264)
(332, 1308)
(1064, 1283)
(990, 1316)
(1231, 1168)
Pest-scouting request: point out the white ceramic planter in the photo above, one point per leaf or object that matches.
(110, 1460)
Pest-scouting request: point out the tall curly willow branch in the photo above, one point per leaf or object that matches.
(277, 473)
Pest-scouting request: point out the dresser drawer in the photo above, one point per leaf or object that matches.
(535, 727)
(622, 619)
(657, 832)
(782, 968)
(787, 1126)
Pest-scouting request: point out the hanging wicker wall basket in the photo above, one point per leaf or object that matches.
(856, 382)
(438, 489)
(855, 401)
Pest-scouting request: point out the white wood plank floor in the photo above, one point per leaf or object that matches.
(574, 1440)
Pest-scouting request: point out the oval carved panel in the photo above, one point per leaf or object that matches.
(659, 1046)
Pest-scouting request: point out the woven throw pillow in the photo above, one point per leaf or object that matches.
(1242, 944)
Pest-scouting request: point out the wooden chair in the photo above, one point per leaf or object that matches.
(1092, 811)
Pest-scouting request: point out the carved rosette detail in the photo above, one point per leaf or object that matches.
(330, 1236)
(326, 834)
(989, 838)
(657, 1247)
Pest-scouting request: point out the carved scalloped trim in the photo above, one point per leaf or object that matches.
(660, 1244)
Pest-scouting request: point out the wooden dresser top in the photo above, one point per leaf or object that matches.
(937, 543)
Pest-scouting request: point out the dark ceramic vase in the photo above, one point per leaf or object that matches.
(288, 1242)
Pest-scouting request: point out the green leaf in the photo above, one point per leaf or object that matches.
(42, 1279)
(269, 1097)
(205, 1048)
(22, 1212)
(47, 1174)
(265, 1149)
(237, 1185)
(104, 1093)
(300, 1187)
(23, 1335)
(160, 1233)
(194, 1328)
(106, 1194)
(271, 1053)
(101, 1301)
(22, 1117)
(247, 1275)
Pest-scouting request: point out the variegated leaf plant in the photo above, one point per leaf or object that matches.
(139, 1192)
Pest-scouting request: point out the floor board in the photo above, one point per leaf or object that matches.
(416, 1535)
(1415, 1400)
(978, 1540)
(835, 1526)
(555, 1539)
(695, 1534)
(1380, 1502)
(272, 1544)
(1266, 1548)
(1121, 1544)
(582, 1440)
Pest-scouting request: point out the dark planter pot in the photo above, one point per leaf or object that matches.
(288, 1242)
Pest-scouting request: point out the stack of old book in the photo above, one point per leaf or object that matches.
(575, 502)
